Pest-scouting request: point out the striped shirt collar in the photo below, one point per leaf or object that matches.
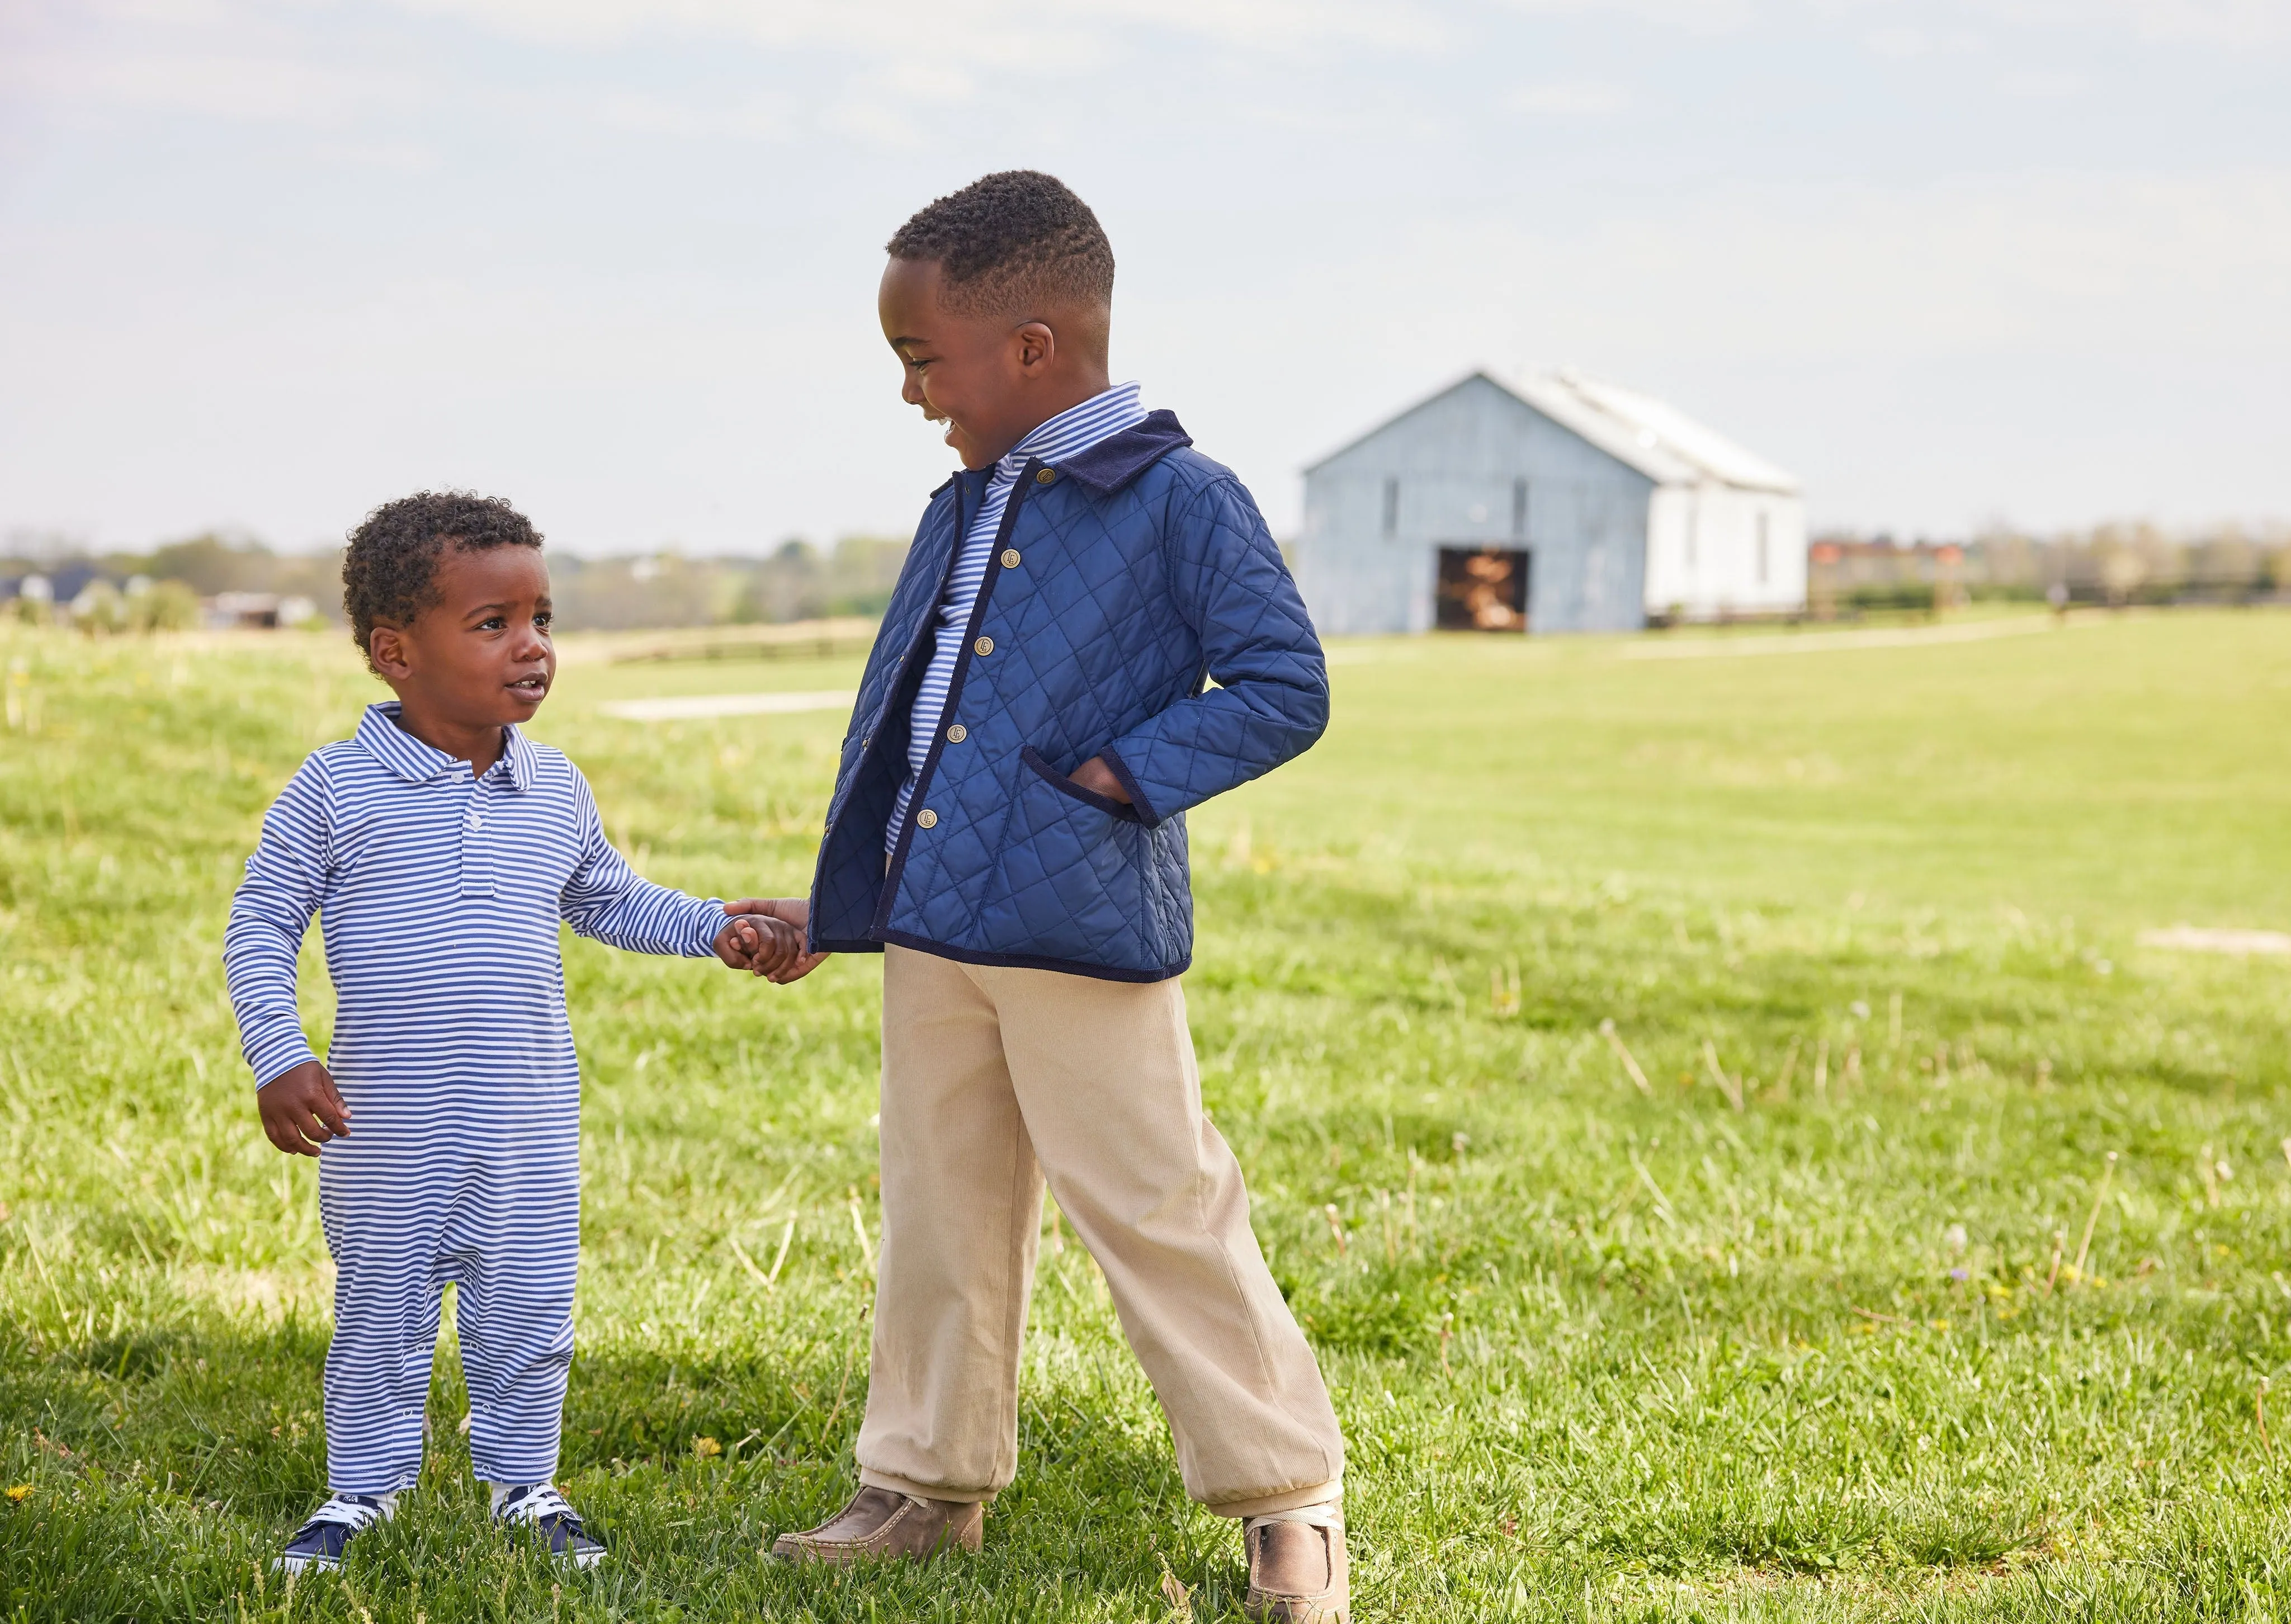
(1076, 429)
(381, 737)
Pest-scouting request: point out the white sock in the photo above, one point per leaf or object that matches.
(1323, 1514)
(389, 1501)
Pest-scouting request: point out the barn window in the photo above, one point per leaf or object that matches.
(1762, 550)
(1519, 509)
(1392, 507)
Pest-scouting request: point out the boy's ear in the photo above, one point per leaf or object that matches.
(1038, 346)
(385, 645)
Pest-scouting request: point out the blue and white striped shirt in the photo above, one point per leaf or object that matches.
(441, 894)
(1076, 429)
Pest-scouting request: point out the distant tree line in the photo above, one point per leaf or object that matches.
(210, 579)
(2113, 563)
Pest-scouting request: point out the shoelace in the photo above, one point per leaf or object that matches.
(349, 1511)
(537, 1505)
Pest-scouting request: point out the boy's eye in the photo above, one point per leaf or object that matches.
(545, 619)
(492, 622)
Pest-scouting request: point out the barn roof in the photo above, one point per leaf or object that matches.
(1638, 431)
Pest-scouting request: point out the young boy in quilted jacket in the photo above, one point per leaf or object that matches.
(1008, 828)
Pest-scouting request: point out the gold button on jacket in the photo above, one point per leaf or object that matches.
(984, 645)
(1045, 475)
(957, 734)
(1009, 557)
(927, 819)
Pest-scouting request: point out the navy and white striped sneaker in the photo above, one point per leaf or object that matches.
(319, 1542)
(542, 1509)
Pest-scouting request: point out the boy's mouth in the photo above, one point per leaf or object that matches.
(534, 687)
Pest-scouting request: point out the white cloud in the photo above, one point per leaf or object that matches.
(2219, 22)
(1589, 99)
(2029, 264)
(1688, 16)
(249, 88)
(920, 81)
(754, 118)
(2232, 22)
(2042, 85)
(1905, 42)
(873, 123)
(973, 31)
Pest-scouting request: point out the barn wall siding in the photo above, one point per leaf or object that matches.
(1456, 458)
(1702, 555)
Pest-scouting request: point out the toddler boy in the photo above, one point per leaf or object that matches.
(1008, 827)
(442, 847)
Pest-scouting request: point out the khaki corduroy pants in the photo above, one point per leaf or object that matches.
(994, 1077)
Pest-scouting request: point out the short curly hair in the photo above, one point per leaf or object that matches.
(390, 569)
(1011, 241)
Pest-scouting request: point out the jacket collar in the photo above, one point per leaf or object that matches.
(381, 737)
(1116, 460)
(1104, 467)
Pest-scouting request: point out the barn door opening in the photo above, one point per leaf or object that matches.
(1483, 589)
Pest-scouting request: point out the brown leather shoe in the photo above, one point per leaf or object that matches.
(881, 1523)
(1296, 1574)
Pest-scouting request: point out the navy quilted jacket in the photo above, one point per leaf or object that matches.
(1121, 579)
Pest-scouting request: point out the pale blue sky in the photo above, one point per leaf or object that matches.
(265, 263)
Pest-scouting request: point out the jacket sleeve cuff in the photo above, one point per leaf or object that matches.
(1139, 801)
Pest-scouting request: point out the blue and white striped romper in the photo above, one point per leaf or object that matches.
(440, 896)
(1075, 429)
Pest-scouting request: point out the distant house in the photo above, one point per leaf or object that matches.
(256, 611)
(1558, 503)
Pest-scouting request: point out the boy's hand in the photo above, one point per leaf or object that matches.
(300, 1110)
(776, 920)
(760, 945)
(1096, 776)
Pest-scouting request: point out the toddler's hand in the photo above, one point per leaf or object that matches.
(788, 914)
(300, 1110)
(759, 944)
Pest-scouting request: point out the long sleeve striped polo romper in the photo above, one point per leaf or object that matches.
(440, 895)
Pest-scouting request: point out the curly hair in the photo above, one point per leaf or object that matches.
(390, 569)
(1009, 241)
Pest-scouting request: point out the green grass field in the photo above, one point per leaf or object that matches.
(1600, 1354)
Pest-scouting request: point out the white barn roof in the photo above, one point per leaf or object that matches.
(1638, 431)
(1653, 436)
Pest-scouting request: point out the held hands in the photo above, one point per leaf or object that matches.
(300, 1110)
(764, 936)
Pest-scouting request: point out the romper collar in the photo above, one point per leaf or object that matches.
(381, 737)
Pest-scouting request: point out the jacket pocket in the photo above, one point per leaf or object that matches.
(1073, 883)
(1066, 786)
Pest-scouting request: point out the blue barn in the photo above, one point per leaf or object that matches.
(1559, 503)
